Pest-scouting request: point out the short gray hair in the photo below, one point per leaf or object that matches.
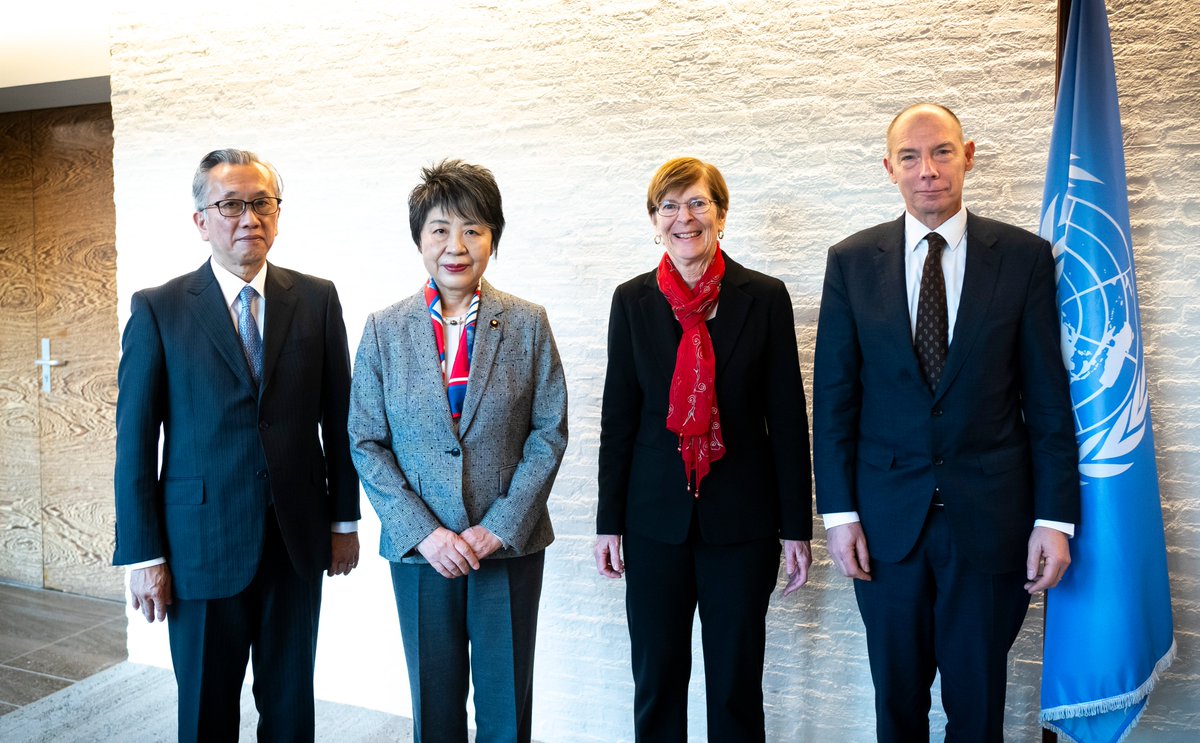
(228, 157)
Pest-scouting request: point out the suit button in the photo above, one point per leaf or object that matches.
(263, 425)
(937, 412)
(453, 452)
(938, 462)
(262, 474)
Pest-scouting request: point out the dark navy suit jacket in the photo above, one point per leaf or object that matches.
(229, 448)
(996, 438)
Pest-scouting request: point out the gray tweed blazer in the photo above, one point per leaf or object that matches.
(497, 465)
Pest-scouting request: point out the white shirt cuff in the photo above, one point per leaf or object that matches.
(344, 527)
(840, 518)
(1064, 527)
(147, 563)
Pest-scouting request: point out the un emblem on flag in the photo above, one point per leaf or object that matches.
(1101, 336)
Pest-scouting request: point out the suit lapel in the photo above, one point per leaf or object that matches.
(659, 324)
(979, 285)
(893, 299)
(207, 304)
(733, 308)
(483, 355)
(280, 307)
(425, 373)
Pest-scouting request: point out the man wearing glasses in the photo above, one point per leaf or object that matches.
(243, 368)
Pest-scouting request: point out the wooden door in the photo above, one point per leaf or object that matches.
(58, 281)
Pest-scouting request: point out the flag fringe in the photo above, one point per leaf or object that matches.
(1100, 706)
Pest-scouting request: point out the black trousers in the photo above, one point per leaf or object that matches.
(274, 623)
(731, 585)
(931, 612)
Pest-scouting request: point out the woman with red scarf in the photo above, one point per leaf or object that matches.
(458, 422)
(704, 462)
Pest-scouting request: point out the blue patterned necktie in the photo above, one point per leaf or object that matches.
(933, 325)
(248, 330)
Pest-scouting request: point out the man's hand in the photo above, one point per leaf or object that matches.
(151, 591)
(345, 554)
(1049, 556)
(448, 553)
(799, 556)
(482, 540)
(608, 555)
(847, 546)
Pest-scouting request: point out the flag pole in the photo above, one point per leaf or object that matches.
(1064, 16)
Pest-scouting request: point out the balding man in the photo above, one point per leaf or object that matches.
(944, 446)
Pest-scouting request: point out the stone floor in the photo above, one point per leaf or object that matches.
(133, 703)
(51, 640)
(64, 677)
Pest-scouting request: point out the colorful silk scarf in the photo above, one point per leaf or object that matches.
(456, 379)
(692, 411)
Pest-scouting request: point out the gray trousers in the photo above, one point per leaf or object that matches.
(482, 627)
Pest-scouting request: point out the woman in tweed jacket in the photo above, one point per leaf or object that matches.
(458, 424)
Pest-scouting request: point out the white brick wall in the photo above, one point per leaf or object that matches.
(572, 105)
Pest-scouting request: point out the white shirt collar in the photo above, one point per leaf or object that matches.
(232, 284)
(952, 230)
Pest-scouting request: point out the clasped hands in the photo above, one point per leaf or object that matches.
(455, 555)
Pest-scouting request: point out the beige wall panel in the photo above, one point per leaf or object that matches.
(20, 527)
(75, 239)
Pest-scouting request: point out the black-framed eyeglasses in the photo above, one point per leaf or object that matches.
(695, 206)
(263, 206)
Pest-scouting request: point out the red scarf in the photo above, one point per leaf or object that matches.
(692, 412)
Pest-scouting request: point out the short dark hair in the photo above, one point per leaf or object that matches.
(228, 156)
(681, 173)
(470, 191)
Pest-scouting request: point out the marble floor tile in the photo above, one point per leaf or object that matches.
(80, 655)
(32, 618)
(19, 687)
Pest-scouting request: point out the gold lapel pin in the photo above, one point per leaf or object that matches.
(495, 323)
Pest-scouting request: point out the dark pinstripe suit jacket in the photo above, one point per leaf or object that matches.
(229, 449)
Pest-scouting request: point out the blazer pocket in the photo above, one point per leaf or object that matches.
(188, 491)
(876, 456)
(505, 479)
(1002, 460)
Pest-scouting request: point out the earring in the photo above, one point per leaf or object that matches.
(720, 234)
(658, 239)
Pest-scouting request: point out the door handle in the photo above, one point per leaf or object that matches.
(47, 364)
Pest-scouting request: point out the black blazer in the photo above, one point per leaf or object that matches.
(762, 486)
(229, 449)
(996, 438)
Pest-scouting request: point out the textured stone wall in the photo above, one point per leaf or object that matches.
(573, 105)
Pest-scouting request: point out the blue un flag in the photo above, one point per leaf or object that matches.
(1108, 624)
